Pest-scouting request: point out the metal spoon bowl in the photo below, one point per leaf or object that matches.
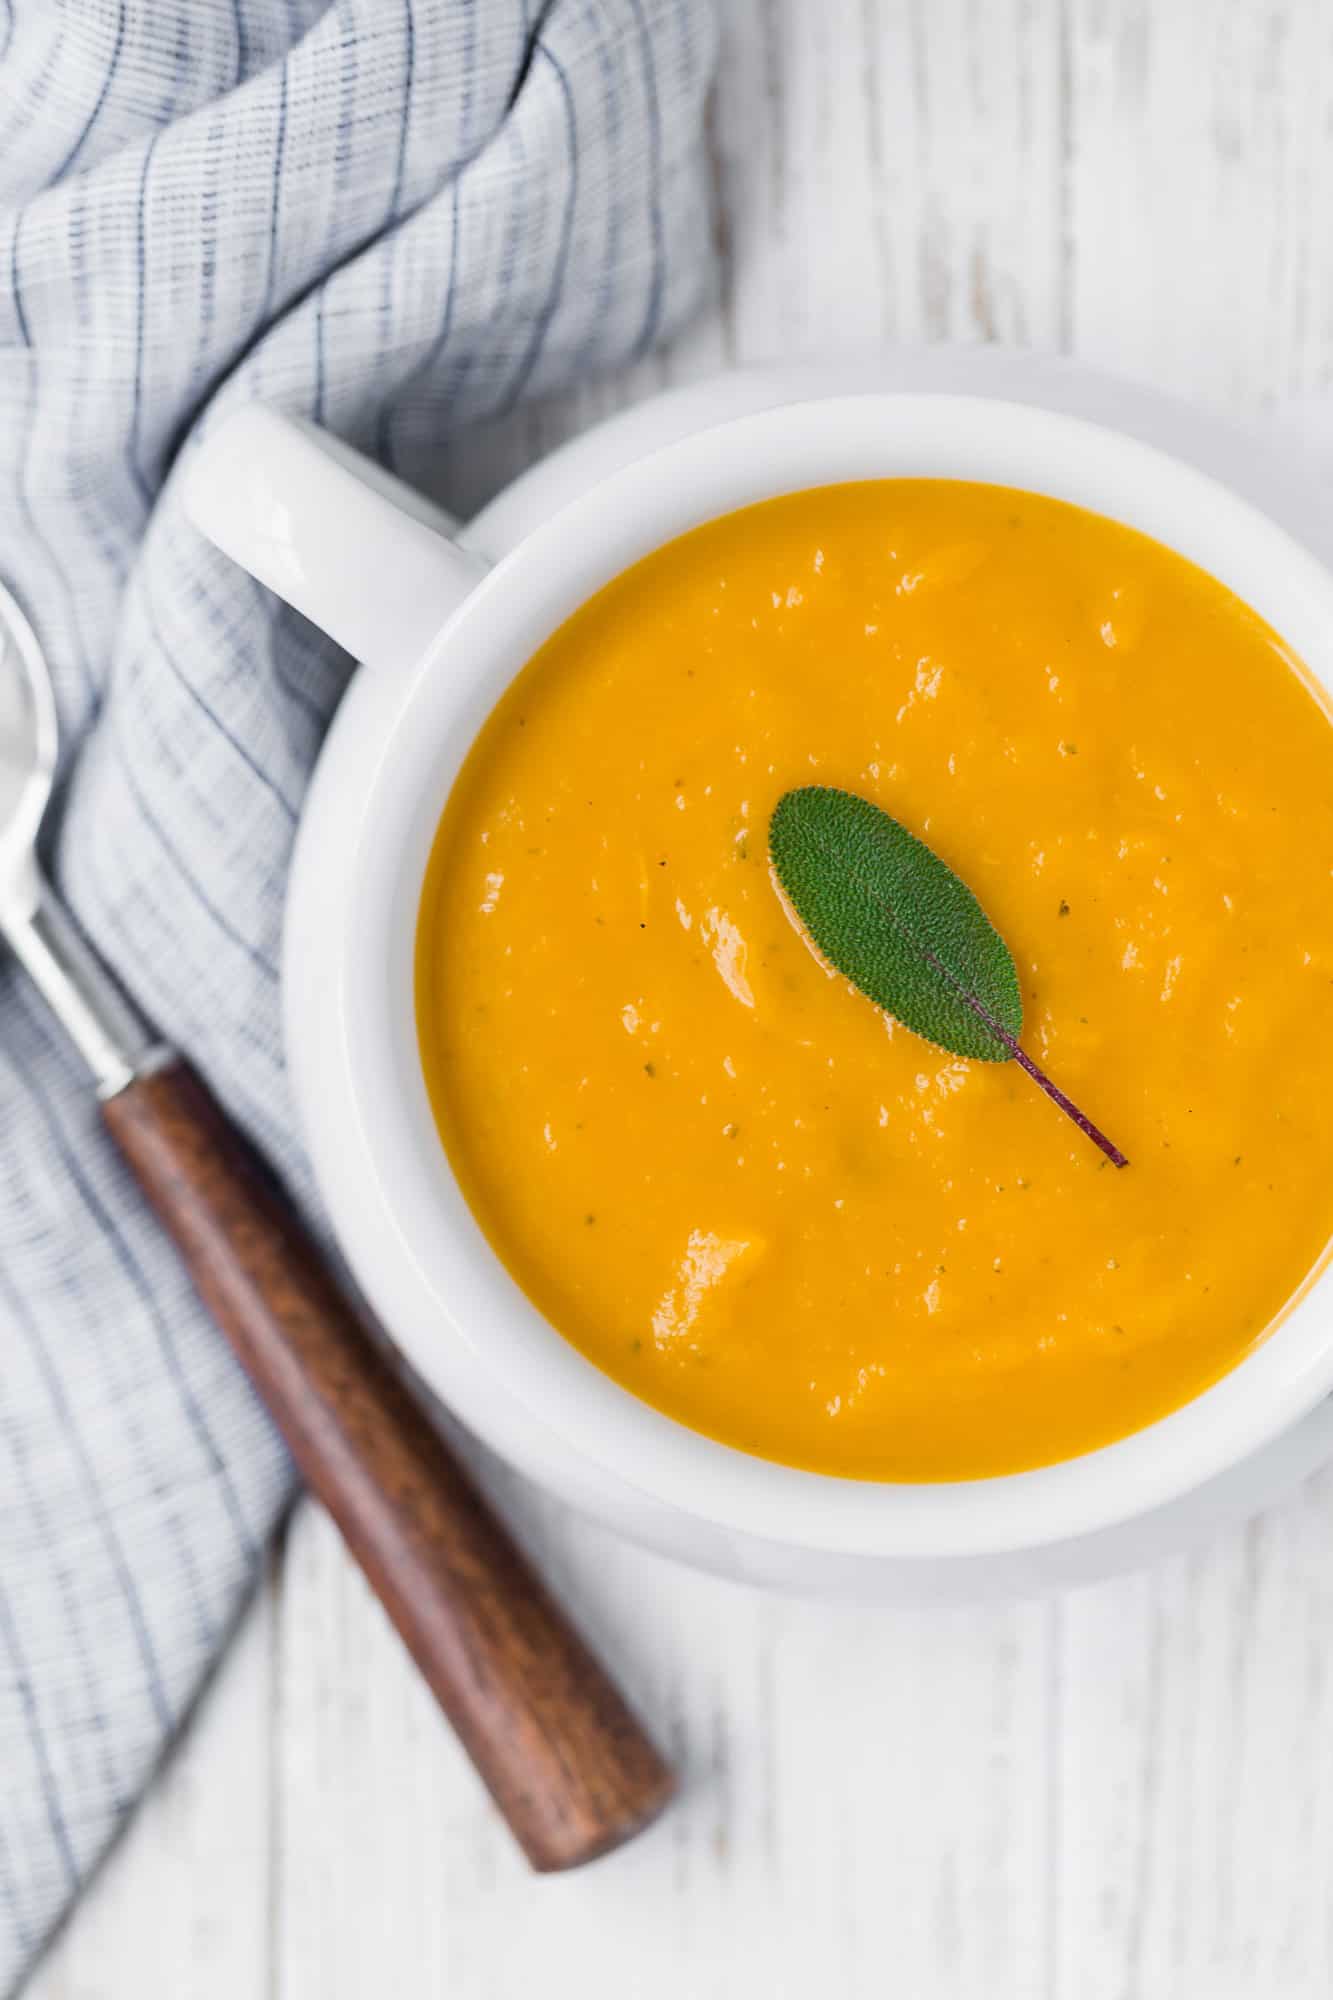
(106, 1031)
(29, 739)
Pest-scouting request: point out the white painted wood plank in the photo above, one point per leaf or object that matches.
(890, 171)
(182, 1906)
(1201, 193)
(1195, 1771)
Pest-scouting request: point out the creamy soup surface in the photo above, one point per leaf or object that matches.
(720, 1172)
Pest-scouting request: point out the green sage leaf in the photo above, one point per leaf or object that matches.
(895, 920)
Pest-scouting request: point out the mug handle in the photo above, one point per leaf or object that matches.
(359, 553)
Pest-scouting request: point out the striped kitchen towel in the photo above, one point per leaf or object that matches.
(398, 217)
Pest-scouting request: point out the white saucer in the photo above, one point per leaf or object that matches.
(1286, 484)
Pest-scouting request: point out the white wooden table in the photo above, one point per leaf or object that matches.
(1126, 1792)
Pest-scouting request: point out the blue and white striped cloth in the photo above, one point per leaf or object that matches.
(395, 216)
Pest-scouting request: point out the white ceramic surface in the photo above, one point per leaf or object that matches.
(397, 743)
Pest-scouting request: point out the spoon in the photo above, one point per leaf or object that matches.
(567, 1763)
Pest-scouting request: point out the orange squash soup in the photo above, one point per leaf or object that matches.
(728, 1179)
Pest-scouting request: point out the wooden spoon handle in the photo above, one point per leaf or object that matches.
(567, 1763)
